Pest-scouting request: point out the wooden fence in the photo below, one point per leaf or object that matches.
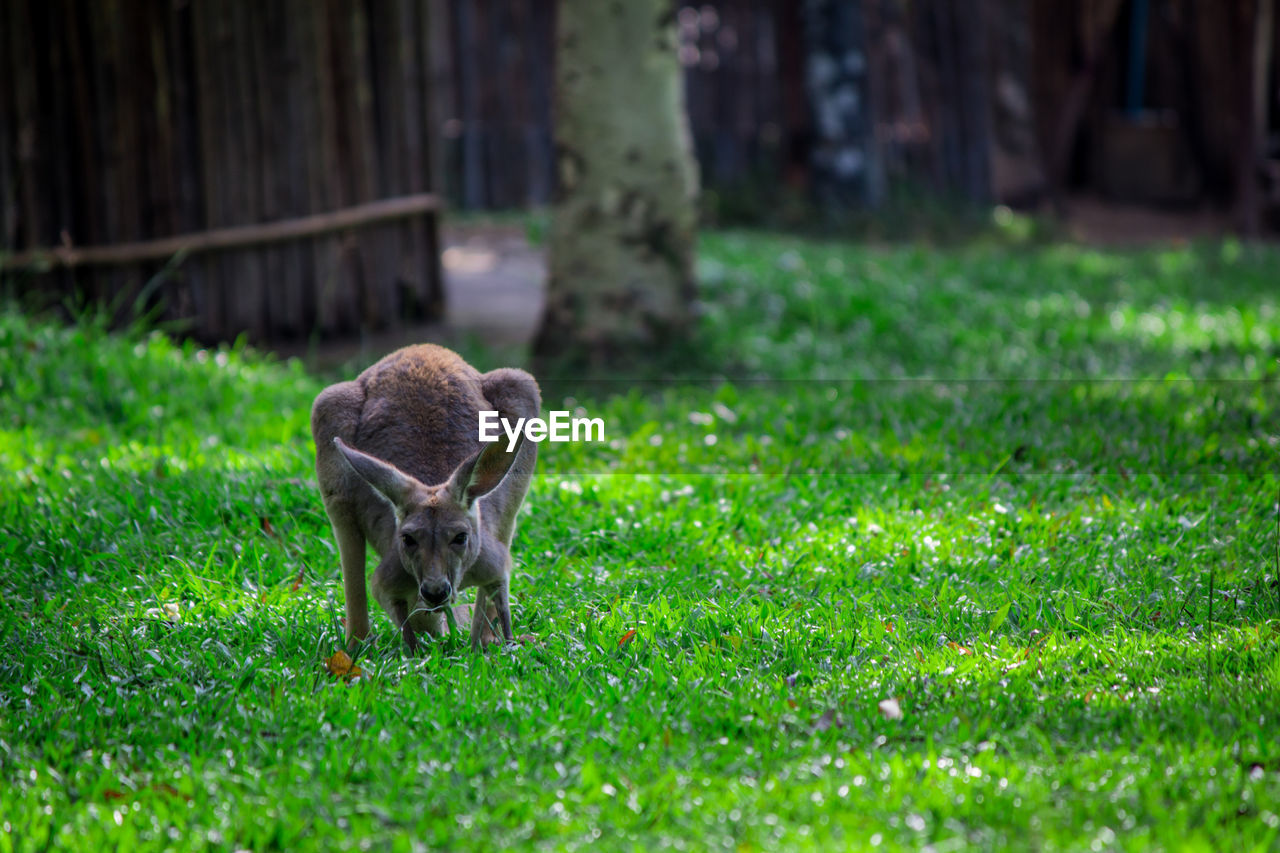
(746, 96)
(309, 135)
(282, 148)
(1003, 100)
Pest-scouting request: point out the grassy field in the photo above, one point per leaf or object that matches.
(968, 549)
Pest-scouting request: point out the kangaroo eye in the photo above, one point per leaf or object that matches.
(409, 541)
(460, 539)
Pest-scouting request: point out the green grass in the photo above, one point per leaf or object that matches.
(1029, 496)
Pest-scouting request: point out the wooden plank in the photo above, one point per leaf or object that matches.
(441, 106)
(399, 79)
(335, 308)
(426, 279)
(8, 171)
(258, 268)
(372, 254)
(272, 58)
(207, 299)
(65, 208)
(248, 310)
(163, 215)
(501, 106)
(102, 134)
(130, 104)
(308, 154)
(191, 279)
(470, 80)
(542, 159)
(412, 84)
(403, 127)
(29, 143)
(119, 137)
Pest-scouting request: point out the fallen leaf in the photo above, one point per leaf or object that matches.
(959, 648)
(265, 523)
(341, 665)
(890, 709)
(297, 582)
(627, 637)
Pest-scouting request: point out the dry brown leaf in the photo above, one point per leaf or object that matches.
(627, 637)
(341, 665)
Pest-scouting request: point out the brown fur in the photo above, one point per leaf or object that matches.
(396, 456)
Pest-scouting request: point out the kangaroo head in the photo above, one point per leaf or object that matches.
(437, 526)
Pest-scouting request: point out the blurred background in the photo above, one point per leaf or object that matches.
(281, 169)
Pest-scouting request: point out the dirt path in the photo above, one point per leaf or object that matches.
(495, 283)
(1097, 222)
(495, 286)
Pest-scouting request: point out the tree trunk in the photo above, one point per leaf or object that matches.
(624, 220)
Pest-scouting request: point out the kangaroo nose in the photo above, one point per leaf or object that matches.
(435, 591)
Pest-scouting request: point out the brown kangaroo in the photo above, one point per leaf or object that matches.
(401, 466)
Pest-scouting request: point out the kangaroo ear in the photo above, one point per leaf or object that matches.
(386, 479)
(481, 474)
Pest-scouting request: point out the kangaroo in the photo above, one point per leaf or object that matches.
(401, 467)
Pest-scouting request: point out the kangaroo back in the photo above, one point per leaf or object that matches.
(420, 412)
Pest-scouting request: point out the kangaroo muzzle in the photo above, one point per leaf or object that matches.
(436, 591)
